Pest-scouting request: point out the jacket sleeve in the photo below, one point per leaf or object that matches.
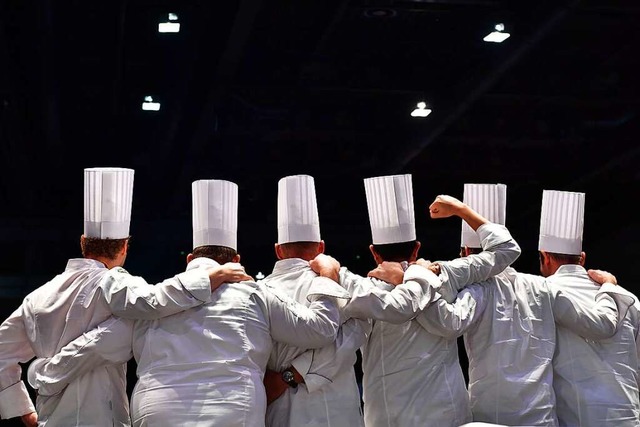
(319, 367)
(295, 324)
(451, 320)
(15, 348)
(596, 320)
(108, 343)
(397, 304)
(500, 250)
(132, 297)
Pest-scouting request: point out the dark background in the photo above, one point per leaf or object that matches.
(254, 90)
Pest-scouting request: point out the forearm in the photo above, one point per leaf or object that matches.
(395, 305)
(15, 349)
(133, 298)
(319, 367)
(109, 343)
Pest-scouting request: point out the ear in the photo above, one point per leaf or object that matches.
(375, 254)
(321, 247)
(189, 258)
(236, 258)
(544, 258)
(466, 251)
(278, 250)
(125, 247)
(583, 257)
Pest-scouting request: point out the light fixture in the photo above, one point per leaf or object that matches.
(497, 36)
(259, 276)
(421, 111)
(171, 26)
(149, 105)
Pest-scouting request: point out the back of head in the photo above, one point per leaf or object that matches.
(215, 219)
(398, 252)
(303, 250)
(96, 248)
(220, 254)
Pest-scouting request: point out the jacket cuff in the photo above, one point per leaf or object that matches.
(623, 298)
(15, 401)
(302, 364)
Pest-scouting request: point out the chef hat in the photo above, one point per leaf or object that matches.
(297, 210)
(214, 213)
(490, 201)
(390, 204)
(108, 194)
(561, 222)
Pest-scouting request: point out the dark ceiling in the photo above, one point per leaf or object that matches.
(255, 90)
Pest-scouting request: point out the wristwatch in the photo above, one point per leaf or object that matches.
(289, 378)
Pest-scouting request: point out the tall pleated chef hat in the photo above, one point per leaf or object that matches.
(490, 201)
(561, 222)
(215, 213)
(108, 195)
(298, 219)
(390, 205)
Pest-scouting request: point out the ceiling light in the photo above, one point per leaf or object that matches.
(421, 111)
(149, 105)
(497, 36)
(259, 276)
(170, 26)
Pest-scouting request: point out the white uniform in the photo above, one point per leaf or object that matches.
(412, 376)
(330, 394)
(509, 325)
(74, 302)
(205, 366)
(596, 382)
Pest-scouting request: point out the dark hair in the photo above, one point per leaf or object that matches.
(304, 250)
(106, 248)
(563, 258)
(220, 254)
(396, 251)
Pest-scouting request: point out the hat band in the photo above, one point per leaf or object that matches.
(107, 229)
(559, 245)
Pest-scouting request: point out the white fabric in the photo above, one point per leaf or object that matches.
(509, 325)
(390, 206)
(596, 383)
(330, 396)
(70, 304)
(298, 219)
(108, 194)
(490, 201)
(214, 213)
(412, 376)
(205, 366)
(561, 222)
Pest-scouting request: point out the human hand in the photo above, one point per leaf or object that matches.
(445, 206)
(389, 271)
(601, 276)
(274, 385)
(30, 420)
(326, 266)
(434, 267)
(230, 272)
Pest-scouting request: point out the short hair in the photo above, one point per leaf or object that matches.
(220, 254)
(304, 250)
(397, 252)
(106, 248)
(564, 258)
